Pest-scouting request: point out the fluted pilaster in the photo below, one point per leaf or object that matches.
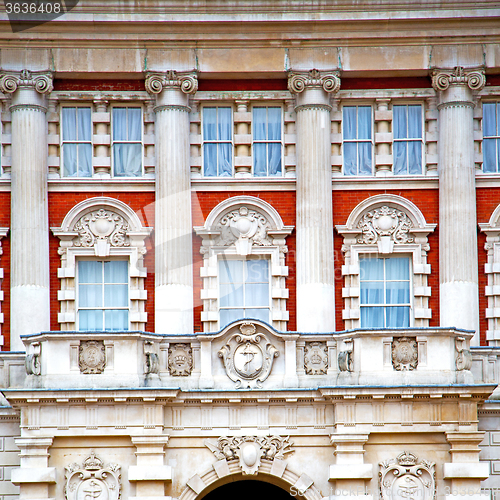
(458, 272)
(315, 258)
(173, 225)
(30, 305)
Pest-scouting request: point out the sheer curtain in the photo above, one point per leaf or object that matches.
(77, 148)
(357, 133)
(407, 124)
(217, 146)
(365, 137)
(266, 125)
(490, 130)
(127, 145)
(274, 134)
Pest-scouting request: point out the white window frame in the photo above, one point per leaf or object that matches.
(113, 142)
(276, 141)
(211, 141)
(384, 306)
(421, 139)
(130, 246)
(495, 137)
(103, 308)
(219, 241)
(409, 240)
(63, 142)
(358, 141)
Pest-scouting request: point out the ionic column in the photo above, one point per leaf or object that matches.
(29, 281)
(458, 271)
(173, 226)
(314, 225)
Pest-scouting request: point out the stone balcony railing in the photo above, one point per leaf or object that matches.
(249, 355)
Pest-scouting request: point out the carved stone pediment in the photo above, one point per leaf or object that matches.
(92, 480)
(248, 357)
(404, 478)
(404, 353)
(250, 450)
(92, 356)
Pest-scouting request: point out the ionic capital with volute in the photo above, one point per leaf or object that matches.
(28, 88)
(472, 78)
(312, 88)
(185, 82)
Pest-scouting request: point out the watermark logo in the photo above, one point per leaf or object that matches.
(26, 14)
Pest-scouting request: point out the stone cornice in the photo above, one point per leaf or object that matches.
(299, 81)
(473, 78)
(185, 82)
(41, 81)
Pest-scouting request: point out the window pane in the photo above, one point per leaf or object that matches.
(262, 314)
(259, 124)
(70, 168)
(134, 124)
(210, 124)
(400, 158)
(230, 271)
(224, 128)
(84, 124)
(116, 296)
(229, 315)
(89, 295)
(350, 158)
(415, 122)
(415, 157)
(116, 271)
(84, 160)
(89, 271)
(397, 268)
(489, 119)
(274, 160)
(371, 269)
(372, 317)
(210, 159)
(119, 124)
(257, 271)
(397, 317)
(399, 121)
(365, 158)
(69, 124)
(90, 320)
(256, 294)
(372, 292)
(225, 152)
(259, 158)
(127, 159)
(364, 122)
(116, 320)
(349, 122)
(489, 155)
(397, 292)
(231, 295)
(274, 124)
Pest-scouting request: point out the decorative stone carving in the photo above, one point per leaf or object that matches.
(186, 82)
(386, 224)
(180, 360)
(40, 81)
(316, 358)
(92, 356)
(152, 361)
(404, 354)
(32, 361)
(102, 229)
(298, 82)
(244, 227)
(474, 79)
(250, 450)
(405, 479)
(345, 361)
(93, 480)
(463, 360)
(248, 357)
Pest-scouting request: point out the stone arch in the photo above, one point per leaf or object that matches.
(271, 471)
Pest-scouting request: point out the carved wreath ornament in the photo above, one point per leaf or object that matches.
(385, 222)
(92, 356)
(405, 479)
(250, 450)
(248, 357)
(92, 480)
(404, 354)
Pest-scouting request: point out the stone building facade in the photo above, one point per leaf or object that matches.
(251, 241)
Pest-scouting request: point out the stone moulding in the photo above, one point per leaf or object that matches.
(250, 450)
(404, 478)
(92, 480)
(248, 357)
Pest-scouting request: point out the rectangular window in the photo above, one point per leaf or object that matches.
(103, 302)
(217, 142)
(76, 142)
(407, 145)
(385, 298)
(491, 137)
(267, 141)
(357, 140)
(127, 142)
(244, 290)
